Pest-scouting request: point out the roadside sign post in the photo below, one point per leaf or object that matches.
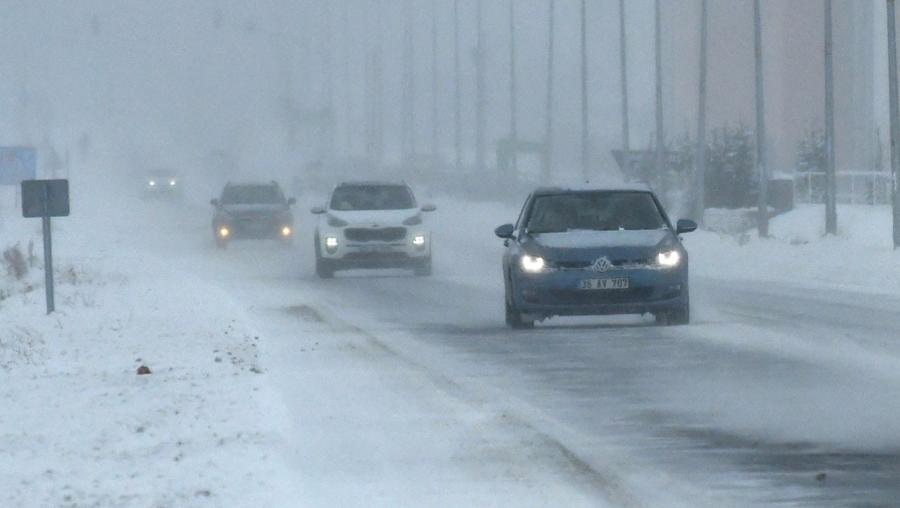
(45, 199)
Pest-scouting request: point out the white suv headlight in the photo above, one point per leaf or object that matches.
(532, 264)
(668, 258)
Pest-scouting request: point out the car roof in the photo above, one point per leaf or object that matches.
(272, 183)
(628, 187)
(372, 183)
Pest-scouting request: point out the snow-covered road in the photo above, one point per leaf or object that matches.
(389, 389)
(772, 386)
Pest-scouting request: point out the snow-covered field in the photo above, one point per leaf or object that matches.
(269, 388)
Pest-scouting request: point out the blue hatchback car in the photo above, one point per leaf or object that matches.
(576, 252)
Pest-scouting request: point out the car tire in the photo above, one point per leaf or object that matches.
(514, 318)
(423, 267)
(324, 268)
(674, 317)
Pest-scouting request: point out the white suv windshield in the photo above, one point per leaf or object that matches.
(372, 197)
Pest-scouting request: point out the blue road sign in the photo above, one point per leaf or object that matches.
(17, 163)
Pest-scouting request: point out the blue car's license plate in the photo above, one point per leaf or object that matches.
(619, 283)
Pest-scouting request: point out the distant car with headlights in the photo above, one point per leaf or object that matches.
(372, 225)
(162, 183)
(255, 210)
(577, 252)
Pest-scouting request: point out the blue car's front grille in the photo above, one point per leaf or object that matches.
(592, 297)
(619, 263)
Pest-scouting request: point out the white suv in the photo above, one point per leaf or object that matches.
(372, 225)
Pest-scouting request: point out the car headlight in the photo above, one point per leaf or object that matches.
(532, 264)
(419, 240)
(336, 223)
(415, 220)
(224, 232)
(668, 258)
(152, 183)
(331, 244)
(172, 183)
(286, 231)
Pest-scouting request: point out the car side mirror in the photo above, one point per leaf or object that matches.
(685, 226)
(428, 208)
(317, 210)
(214, 202)
(292, 201)
(505, 231)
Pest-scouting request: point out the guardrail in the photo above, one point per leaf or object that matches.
(853, 187)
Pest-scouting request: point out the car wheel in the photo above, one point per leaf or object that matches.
(514, 318)
(673, 317)
(423, 268)
(324, 268)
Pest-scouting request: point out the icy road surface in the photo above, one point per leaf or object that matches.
(776, 395)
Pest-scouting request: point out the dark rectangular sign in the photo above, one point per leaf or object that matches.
(45, 198)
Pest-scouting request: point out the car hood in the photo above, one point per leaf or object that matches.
(370, 218)
(587, 246)
(251, 210)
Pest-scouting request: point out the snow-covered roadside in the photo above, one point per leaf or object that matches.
(80, 427)
(860, 258)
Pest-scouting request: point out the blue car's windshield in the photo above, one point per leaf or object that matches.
(594, 211)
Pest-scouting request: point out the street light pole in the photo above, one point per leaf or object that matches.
(700, 163)
(479, 90)
(660, 135)
(761, 170)
(457, 120)
(585, 134)
(895, 118)
(435, 121)
(513, 121)
(830, 177)
(623, 66)
(548, 135)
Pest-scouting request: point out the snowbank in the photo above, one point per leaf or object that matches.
(859, 258)
(80, 427)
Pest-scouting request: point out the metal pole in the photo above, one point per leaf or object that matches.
(585, 136)
(895, 118)
(408, 85)
(513, 127)
(623, 65)
(761, 170)
(435, 121)
(457, 114)
(660, 135)
(548, 134)
(48, 254)
(830, 180)
(479, 91)
(700, 163)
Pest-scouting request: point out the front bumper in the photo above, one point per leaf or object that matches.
(558, 294)
(374, 254)
(254, 230)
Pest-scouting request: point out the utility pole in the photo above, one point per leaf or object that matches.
(409, 100)
(513, 127)
(457, 113)
(700, 163)
(623, 65)
(585, 135)
(479, 91)
(761, 170)
(435, 121)
(830, 177)
(548, 133)
(895, 117)
(660, 135)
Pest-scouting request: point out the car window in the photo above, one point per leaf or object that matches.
(596, 211)
(252, 195)
(372, 197)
